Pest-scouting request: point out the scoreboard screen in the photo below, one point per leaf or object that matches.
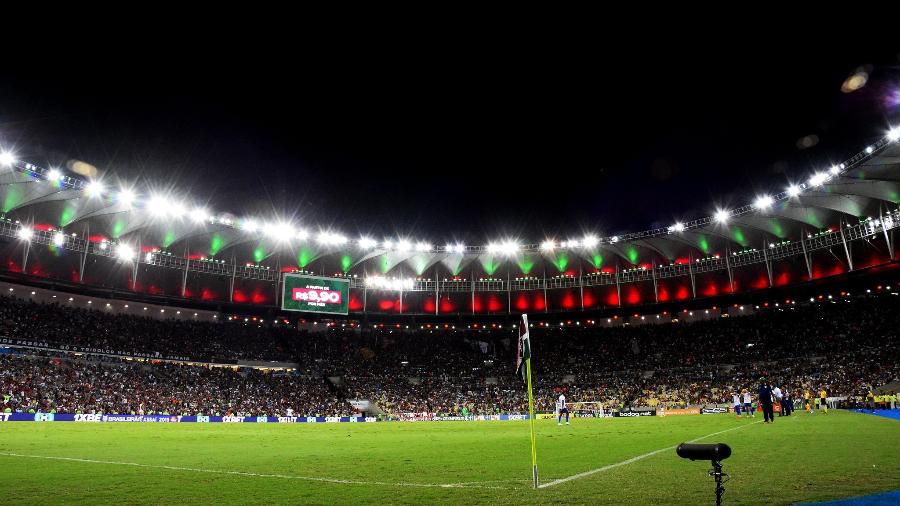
(315, 294)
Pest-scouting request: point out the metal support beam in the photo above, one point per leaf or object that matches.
(728, 266)
(581, 283)
(25, 257)
(137, 264)
(546, 307)
(84, 254)
(187, 267)
(653, 275)
(437, 289)
(618, 285)
(233, 275)
(846, 248)
(691, 272)
(768, 263)
(806, 256)
(887, 237)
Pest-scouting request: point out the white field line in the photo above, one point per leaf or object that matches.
(254, 475)
(632, 459)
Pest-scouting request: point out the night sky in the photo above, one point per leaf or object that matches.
(454, 141)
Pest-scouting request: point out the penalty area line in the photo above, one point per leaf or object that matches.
(632, 459)
(338, 481)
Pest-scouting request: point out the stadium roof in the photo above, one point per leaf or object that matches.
(865, 186)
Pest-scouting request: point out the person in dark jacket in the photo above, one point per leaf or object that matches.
(765, 399)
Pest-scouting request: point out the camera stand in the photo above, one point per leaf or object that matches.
(721, 478)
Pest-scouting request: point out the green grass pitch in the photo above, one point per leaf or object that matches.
(798, 459)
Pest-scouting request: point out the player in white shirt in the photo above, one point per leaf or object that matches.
(748, 404)
(737, 403)
(560, 409)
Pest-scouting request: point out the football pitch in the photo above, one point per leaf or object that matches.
(802, 458)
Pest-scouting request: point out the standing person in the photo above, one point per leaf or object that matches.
(779, 398)
(736, 398)
(748, 403)
(807, 398)
(787, 405)
(560, 409)
(823, 399)
(765, 400)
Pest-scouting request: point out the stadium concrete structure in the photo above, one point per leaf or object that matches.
(62, 230)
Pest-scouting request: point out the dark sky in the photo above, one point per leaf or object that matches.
(456, 141)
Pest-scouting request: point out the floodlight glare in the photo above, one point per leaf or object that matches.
(94, 189)
(7, 159)
(367, 243)
(459, 248)
(818, 179)
(249, 226)
(763, 202)
(793, 190)
(301, 234)
(125, 252)
(589, 241)
(423, 247)
(25, 233)
(54, 175)
(722, 215)
(548, 245)
(834, 170)
(199, 215)
(893, 134)
(678, 227)
(58, 239)
(125, 197)
(158, 206)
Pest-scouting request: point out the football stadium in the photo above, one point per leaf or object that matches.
(181, 321)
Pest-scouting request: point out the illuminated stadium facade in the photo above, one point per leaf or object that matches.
(66, 230)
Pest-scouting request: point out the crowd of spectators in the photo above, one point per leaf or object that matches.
(846, 346)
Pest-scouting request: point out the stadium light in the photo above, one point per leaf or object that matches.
(459, 248)
(677, 227)
(509, 248)
(423, 247)
(158, 206)
(869, 150)
(818, 179)
(54, 175)
(614, 239)
(301, 234)
(178, 210)
(367, 243)
(94, 189)
(493, 248)
(331, 239)
(589, 241)
(763, 202)
(7, 159)
(793, 190)
(893, 134)
(387, 245)
(125, 197)
(199, 215)
(548, 245)
(403, 246)
(25, 233)
(722, 216)
(125, 252)
(58, 239)
(249, 225)
(834, 170)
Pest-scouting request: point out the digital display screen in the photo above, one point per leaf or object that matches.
(314, 294)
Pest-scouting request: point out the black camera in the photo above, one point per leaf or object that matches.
(716, 452)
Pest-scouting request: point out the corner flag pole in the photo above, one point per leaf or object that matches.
(534, 469)
(527, 356)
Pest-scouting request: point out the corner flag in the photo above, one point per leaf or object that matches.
(524, 357)
(524, 348)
